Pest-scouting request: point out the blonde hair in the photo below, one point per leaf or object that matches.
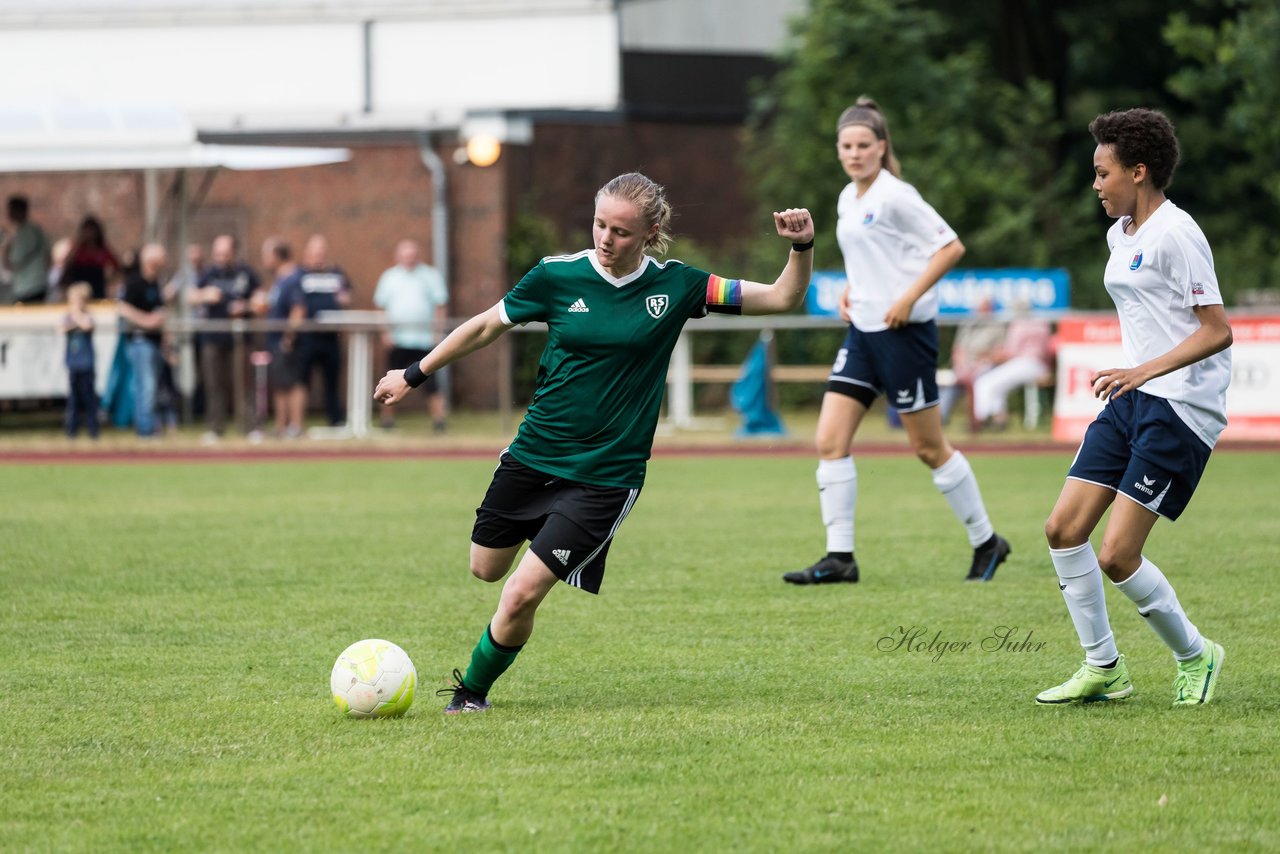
(647, 195)
(866, 112)
(80, 289)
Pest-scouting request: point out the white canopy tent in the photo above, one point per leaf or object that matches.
(71, 136)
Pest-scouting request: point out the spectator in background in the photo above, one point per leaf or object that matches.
(289, 396)
(413, 296)
(222, 292)
(187, 278)
(25, 254)
(58, 261)
(972, 354)
(142, 317)
(91, 259)
(315, 287)
(1025, 356)
(82, 398)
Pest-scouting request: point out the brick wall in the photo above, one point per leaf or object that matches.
(384, 194)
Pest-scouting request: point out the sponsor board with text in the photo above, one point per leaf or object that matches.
(1089, 344)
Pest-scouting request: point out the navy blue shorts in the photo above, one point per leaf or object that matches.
(902, 362)
(1139, 447)
(569, 525)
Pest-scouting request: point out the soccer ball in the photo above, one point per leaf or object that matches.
(373, 679)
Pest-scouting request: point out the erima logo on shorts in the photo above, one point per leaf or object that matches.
(578, 306)
(562, 555)
(1145, 485)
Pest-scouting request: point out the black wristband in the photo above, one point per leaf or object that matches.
(414, 376)
(802, 247)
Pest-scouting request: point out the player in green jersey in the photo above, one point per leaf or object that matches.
(577, 463)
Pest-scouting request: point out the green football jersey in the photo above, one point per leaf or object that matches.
(603, 373)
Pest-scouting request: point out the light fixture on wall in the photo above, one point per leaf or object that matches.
(483, 150)
(485, 134)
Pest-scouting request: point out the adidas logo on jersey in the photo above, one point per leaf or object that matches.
(563, 554)
(578, 306)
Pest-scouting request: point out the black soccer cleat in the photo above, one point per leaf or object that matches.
(463, 699)
(828, 570)
(987, 557)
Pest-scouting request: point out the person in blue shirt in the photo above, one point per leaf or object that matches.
(318, 286)
(82, 398)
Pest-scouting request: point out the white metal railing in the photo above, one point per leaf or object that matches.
(361, 327)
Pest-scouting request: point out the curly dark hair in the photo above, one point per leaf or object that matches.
(1140, 136)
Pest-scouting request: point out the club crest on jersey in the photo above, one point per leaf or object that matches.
(869, 218)
(656, 305)
(1137, 260)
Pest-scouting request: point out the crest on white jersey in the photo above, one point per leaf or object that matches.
(656, 305)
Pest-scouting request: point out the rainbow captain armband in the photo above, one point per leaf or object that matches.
(724, 295)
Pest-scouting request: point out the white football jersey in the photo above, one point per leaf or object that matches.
(887, 237)
(1156, 276)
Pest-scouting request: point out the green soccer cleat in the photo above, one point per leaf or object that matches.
(1090, 685)
(1196, 680)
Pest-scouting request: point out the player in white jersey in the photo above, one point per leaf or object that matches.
(895, 249)
(1163, 414)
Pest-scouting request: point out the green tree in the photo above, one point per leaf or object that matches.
(1230, 77)
(989, 105)
(979, 147)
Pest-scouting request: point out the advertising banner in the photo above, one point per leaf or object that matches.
(1089, 344)
(960, 291)
(33, 350)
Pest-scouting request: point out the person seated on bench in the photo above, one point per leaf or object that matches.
(977, 341)
(1025, 357)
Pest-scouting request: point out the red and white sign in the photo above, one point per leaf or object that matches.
(1089, 344)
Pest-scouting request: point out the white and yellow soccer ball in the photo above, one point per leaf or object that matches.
(373, 679)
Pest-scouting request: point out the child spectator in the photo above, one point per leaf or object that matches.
(82, 399)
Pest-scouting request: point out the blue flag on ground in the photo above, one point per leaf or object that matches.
(750, 396)
(117, 400)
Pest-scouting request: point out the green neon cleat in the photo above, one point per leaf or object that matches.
(1090, 684)
(1198, 678)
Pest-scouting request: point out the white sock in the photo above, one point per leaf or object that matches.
(1080, 580)
(1159, 605)
(838, 494)
(957, 484)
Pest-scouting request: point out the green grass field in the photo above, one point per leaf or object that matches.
(168, 632)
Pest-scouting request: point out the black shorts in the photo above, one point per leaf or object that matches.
(285, 370)
(399, 359)
(569, 525)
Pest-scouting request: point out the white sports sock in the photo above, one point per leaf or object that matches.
(957, 484)
(838, 494)
(1080, 580)
(1159, 605)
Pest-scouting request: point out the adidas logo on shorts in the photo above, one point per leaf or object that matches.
(578, 306)
(562, 554)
